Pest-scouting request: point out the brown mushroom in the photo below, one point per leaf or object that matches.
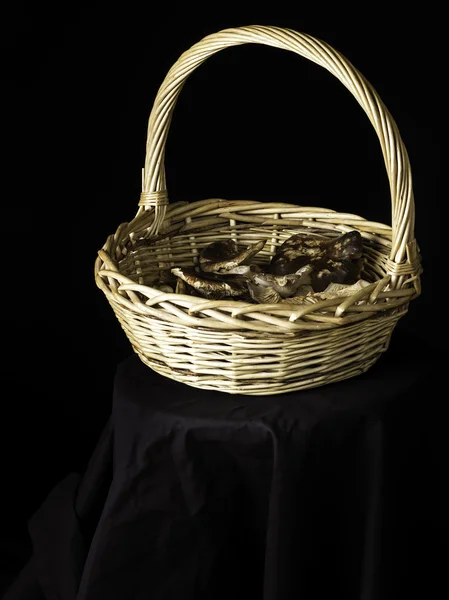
(224, 255)
(270, 289)
(263, 294)
(300, 250)
(212, 288)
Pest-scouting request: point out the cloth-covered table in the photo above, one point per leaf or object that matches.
(333, 492)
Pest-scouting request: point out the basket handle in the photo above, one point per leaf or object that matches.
(154, 193)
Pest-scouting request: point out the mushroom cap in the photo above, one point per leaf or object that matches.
(295, 253)
(345, 247)
(211, 287)
(327, 271)
(224, 255)
(300, 250)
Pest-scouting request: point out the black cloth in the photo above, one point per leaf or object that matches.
(330, 492)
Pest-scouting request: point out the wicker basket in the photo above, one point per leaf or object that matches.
(241, 347)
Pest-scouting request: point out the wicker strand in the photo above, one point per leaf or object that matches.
(156, 199)
(409, 268)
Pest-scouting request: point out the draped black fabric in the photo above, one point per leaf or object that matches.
(331, 492)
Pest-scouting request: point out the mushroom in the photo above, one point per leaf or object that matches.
(327, 271)
(335, 290)
(306, 295)
(295, 253)
(300, 250)
(210, 287)
(224, 255)
(271, 289)
(263, 294)
(182, 287)
(244, 270)
(348, 246)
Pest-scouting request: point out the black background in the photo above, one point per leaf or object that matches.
(252, 122)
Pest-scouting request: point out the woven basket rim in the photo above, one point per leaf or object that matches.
(378, 296)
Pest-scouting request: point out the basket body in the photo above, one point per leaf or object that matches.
(234, 346)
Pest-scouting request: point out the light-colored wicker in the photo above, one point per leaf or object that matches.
(247, 348)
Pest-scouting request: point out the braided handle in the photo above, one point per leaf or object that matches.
(395, 155)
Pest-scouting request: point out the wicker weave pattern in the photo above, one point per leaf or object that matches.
(247, 348)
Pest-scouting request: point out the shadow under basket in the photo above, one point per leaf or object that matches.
(247, 348)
